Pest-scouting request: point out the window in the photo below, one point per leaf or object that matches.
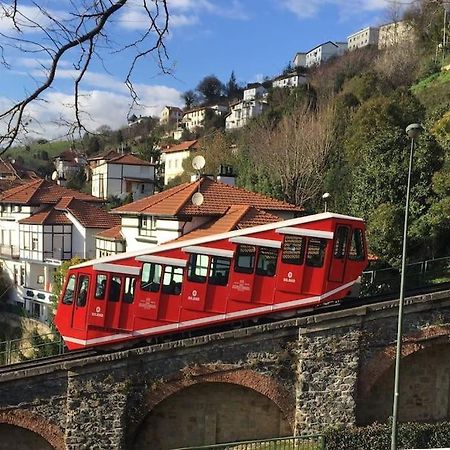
(83, 287)
(36, 310)
(34, 243)
(198, 268)
(128, 292)
(340, 243)
(172, 281)
(219, 271)
(267, 261)
(40, 279)
(70, 290)
(357, 246)
(114, 289)
(245, 259)
(151, 277)
(293, 250)
(147, 226)
(316, 252)
(100, 287)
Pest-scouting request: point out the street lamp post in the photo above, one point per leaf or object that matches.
(325, 197)
(413, 132)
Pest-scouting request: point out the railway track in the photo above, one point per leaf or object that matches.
(347, 304)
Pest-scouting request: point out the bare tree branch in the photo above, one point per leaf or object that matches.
(83, 28)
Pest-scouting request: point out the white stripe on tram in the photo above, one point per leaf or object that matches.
(217, 318)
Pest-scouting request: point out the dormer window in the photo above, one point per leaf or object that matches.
(147, 226)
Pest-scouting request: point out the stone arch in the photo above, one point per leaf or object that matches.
(199, 378)
(35, 423)
(381, 361)
(424, 367)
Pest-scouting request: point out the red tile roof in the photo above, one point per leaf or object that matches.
(107, 155)
(114, 233)
(182, 147)
(89, 215)
(237, 217)
(218, 197)
(39, 192)
(48, 216)
(130, 160)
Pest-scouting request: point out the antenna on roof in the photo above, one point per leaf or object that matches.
(197, 199)
(198, 162)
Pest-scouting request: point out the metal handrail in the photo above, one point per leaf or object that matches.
(305, 442)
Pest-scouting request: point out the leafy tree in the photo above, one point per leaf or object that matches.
(210, 88)
(232, 89)
(77, 180)
(190, 99)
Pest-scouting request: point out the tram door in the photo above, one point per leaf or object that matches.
(340, 244)
(243, 276)
(113, 301)
(290, 273)
(79, 307)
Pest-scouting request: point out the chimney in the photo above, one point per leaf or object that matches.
(226, 175)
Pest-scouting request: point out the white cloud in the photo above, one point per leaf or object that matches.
(25, 16)
(49, 117)
(310, 8)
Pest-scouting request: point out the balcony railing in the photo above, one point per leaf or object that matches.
(10, 251)
(36, 295)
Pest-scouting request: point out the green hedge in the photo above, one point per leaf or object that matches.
(378, 437)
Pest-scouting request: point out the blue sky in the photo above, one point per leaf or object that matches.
(255, 38)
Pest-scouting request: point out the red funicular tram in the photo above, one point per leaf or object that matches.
(186, 284)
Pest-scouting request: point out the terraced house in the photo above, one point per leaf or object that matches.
(42, 225)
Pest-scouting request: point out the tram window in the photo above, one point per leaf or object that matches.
(340, 242)
(198, 268)
(245, 259)
(219, 271)
(316, 252)
(357, 246)
(83, 286)
(128, 292)
(293, 250)
(267, 261)
(70, 290)
(151, 277)
(172, 281)
(100, 287)
(114, 289)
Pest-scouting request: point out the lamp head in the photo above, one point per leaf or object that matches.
(326, 196)
(413, 131)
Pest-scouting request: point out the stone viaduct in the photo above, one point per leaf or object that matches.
(293, 376)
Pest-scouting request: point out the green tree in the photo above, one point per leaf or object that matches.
(210, 88)
(190, 99)
(232, 89)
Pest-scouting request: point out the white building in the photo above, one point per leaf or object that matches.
(171, 214)
(289, 80)
(242, 112)
(68, 164)
(172, 158)
(363, 38)
(123, 175)
(323, 52)
(254, 90)
(170, 115)
(299, 59)
(394, 33)
(42, 225)
(195, 118)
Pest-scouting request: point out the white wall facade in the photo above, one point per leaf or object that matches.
(289, 81)
(119, 180)
(255, 92)
(173, 164)
(194, 119)
(324, 52)
(242, 112)
(393, 33)
(363, 38)
(299, 60)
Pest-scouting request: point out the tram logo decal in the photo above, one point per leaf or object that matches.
(290, 278)
(194, 297)
(241, 286)
(97, 312)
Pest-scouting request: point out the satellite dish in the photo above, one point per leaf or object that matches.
(55, 175)
(198, 162)
(197, 198)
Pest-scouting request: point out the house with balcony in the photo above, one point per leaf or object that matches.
(289, 80)
(121, 176)
(324, 52)
(43, 224)
(363, 38)
(172, 158)
(68, 164)
(252, 105)
(195, 118)
(170, 115)
(171, 214)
